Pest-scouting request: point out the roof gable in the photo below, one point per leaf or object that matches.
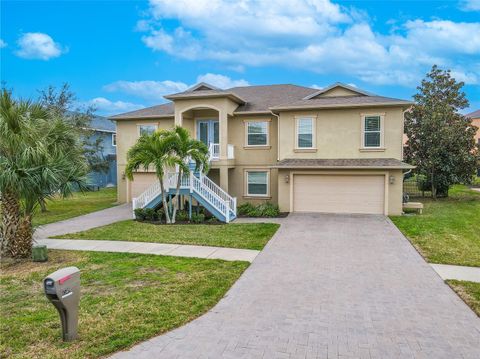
(338, 90)
(474, 114)
(202, 86)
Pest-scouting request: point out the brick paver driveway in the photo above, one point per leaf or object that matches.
(335, 286)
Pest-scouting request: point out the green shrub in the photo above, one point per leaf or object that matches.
(151, 214)
(139, 214)
(198, 218)
(182, 216)
(160, 214)
(262, 210)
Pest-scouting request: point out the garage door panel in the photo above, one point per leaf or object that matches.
(339, 193)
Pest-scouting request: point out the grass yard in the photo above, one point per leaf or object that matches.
(244, 235)
(448, 230)
(126, 298)
(76, 205)
(469, 292)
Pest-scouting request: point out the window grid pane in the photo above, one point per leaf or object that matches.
(147, 129)
(372, 131)
(305, 133)
(257, 183)
(256, 133)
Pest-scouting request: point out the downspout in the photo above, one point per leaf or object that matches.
(278, 134)
(403, 129)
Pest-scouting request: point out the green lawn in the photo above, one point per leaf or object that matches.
(244, 235)
(469, 292)
(76, 205)
(448, 230)
(126, 298)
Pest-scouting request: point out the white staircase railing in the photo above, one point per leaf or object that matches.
(203, 186)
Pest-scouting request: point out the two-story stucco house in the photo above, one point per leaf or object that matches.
(337, 150)
(475, 117)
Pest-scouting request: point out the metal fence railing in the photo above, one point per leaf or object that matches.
(415, 187)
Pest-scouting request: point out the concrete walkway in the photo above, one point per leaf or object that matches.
(87, 221)
(228, 254)
(447, 271)
(330, 286)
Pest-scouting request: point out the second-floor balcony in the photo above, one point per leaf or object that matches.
(214, 152)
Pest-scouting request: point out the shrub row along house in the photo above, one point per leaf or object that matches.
(336, 150)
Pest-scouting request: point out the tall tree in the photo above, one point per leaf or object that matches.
(61, 103)
(39, 155)
(440, 139)
(186, 149)
(153, 150)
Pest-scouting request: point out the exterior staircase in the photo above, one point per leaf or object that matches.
(195, 185)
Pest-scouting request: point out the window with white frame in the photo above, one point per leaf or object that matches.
(372, 131)
(305, 129)
(257, 133)
(114, 139)
(257, 183)
(146, 129)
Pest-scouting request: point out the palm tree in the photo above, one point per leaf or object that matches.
(153, 150)
(40, 155)
(186, 149)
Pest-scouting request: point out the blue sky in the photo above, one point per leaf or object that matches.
(124, 55)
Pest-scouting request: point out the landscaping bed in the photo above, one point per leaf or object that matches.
(448, 230)
(242, 235)
(126, 298)
(80, 203)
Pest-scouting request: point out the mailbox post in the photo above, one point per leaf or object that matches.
(62, 289)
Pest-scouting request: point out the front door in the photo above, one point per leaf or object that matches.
(207, 131)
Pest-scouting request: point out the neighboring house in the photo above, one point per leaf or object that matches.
(104, 130)
(336, 150)
(475, 116)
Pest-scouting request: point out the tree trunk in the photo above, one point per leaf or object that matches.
(434, 187)
(43, 205)
(22, 246)
(177, 194)
(164, 201)
(10, 220)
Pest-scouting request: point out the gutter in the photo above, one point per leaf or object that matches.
(278, 134)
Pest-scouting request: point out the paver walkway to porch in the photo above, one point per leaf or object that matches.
(330, 286)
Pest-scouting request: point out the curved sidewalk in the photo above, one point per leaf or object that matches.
(330, 286)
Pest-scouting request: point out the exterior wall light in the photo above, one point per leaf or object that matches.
(392, 179)
(287, 178)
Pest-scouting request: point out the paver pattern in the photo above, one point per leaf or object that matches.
(330, 286)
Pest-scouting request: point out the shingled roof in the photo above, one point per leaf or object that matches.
(474, 114)
(263, 99)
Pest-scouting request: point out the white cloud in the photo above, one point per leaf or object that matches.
(2, 44)
(221, 81)
(37, 45)
(152, 90)
(470, 5)
(316, 35)
(107, 107)
(155, 90)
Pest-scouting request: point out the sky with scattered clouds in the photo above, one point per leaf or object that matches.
(125, 55)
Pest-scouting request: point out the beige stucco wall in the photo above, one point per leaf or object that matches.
(338, 91)
(393, 190)
(339, 133)
(127, 135)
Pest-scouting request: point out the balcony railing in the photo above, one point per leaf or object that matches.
(214, 152)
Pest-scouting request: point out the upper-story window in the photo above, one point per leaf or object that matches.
(114, 139)
(305, 132)
(372, 136)
(146, 129)
(257, 133)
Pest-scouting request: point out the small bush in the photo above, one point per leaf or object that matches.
(262, 210)
(151, 214)
(139, 214)
(198, 218)
(182, 216)
(160, 214)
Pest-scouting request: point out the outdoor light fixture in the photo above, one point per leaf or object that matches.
(123, 175)
(287, 178)
(392, 179)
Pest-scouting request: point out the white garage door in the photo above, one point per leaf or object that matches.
(141, 181)
(339, 194)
